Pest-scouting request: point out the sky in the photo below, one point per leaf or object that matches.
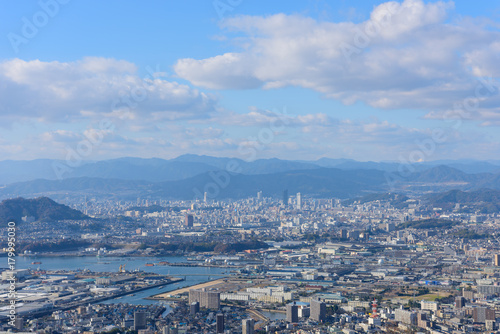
(367, 80)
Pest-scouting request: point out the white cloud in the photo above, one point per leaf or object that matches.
(93, 87)
(406, 55)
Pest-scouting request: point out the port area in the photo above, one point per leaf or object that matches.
(39, 294)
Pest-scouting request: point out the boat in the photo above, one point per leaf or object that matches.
(36, 262)
(150, 264)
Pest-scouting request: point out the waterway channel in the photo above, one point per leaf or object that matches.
(191, 275)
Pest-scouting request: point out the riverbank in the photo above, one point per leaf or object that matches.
(171, 294)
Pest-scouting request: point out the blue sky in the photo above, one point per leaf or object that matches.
(367, 80)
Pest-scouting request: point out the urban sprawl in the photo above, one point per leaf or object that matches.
(292, 265)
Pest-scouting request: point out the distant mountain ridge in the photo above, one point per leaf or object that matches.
(219, 184)
(42, 208)
(322, 182)
(190, 176)
(138, 169)
(189, 165)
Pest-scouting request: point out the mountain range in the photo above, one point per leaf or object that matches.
(190, 176)
(188, 165)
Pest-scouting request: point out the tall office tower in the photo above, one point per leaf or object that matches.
(194, 308)
(247, 326)
(292, 313)
(353, 235)
(188, 221)
(205, 197)
(285, 197)
(497, 259)
(343, 234)
(220, 323)
(459, 302)
(318, 310)
(139, 320)
(299, 201)
(259, 196)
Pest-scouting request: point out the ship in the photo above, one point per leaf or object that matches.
(36, 262)
(150, 264)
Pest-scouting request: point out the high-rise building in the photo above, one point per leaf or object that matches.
(422, 320)
(468, 294)
(299, 201)
(139, 320)
(318, 310)
(205, 197)
(428, 305)
(490, 325)
(259, 196)
(247, 326)
(353, 235)
(343, 234)
(497, 260)
(19, 323)
(194, 308)
(405, 317)
(285, 197)
(207, 299)
(481, 314)
(220, 323)
(459, 302)
(292, 313)
(188, 220)
(170, 330)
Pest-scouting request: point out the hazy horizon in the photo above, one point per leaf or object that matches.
(492, 161)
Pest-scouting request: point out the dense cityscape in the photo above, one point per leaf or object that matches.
(249, 167)
(380, 263)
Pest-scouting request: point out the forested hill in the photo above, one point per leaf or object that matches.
(42, 208)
